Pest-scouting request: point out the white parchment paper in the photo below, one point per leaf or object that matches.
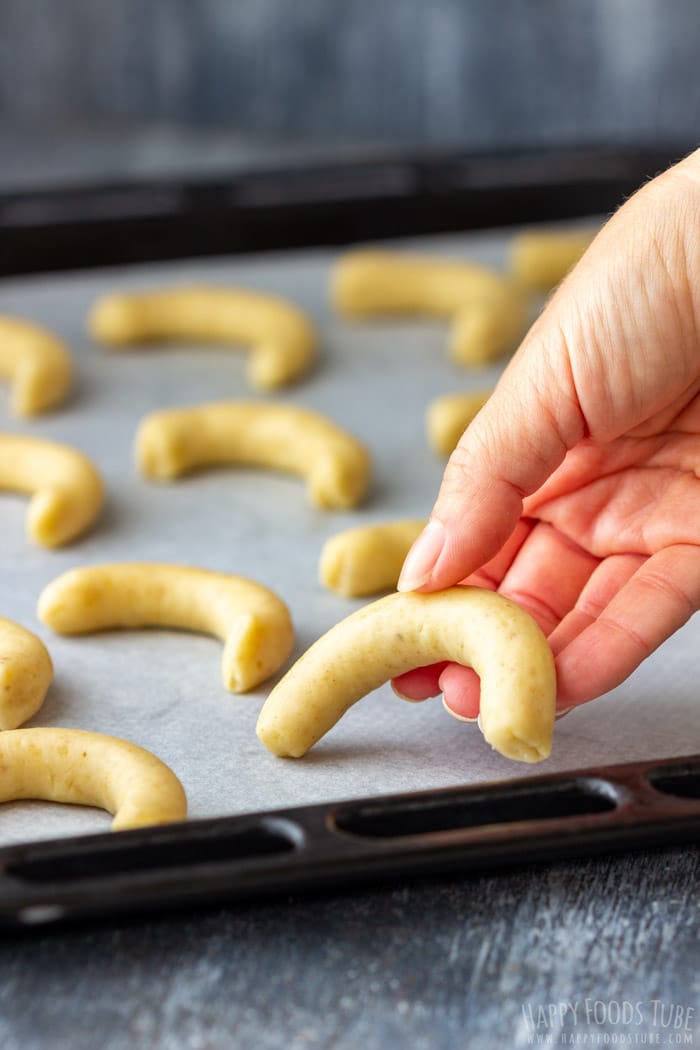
(162, 689)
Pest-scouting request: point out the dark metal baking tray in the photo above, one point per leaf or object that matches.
(321, 847)
(394, 194)
(317, 847)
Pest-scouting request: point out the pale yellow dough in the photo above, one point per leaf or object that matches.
(449, 416)
(251, 620)
(26, 672)
(487, 309)
(90, 769)
(38, 365)
(367, 559)
(467, 625)
(540, 259)
(67, 490)
(177, 441)
(281, 338)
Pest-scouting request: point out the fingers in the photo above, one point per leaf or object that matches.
(604, 583)
(460, 694)
(460, 691)
(630, 605)
(492, 572)
(420, 683)
(517, 440)
(547, 576)
(423, 682)
(595, 363)
(540, 569)
(656, 601)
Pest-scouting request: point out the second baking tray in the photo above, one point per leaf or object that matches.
(162, 690)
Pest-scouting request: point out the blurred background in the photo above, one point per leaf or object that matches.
(110, 88)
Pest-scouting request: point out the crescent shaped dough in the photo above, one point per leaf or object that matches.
(26, 672)
(177, 441)
(90, 769)
(470, 626)
(67, 491)
(541, 259)
(449, 416)
(281, 337)
(253, 623)
(38, 365)
(367, 559)
(487, 308)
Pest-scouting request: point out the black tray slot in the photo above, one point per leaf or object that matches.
(122, 856)
(683, 782)
(567, 798)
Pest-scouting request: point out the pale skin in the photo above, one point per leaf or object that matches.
(576, 489)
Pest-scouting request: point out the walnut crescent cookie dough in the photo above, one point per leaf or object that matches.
(90, 769)
(447, 418)
(282, 339)
(26, 672)
(468, 625)
(253, 623)
(38, 365)
(487, 308)
(177, 441)
(67, 492)
(540, 259)
(367, 559)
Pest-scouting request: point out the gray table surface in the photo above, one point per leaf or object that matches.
(472, 962)
(440, 965)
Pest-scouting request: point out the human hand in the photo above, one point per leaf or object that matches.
(575, 490)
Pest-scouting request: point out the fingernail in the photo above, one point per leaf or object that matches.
(402, 696)
(561, 714)
(422, 556)
(460, 718)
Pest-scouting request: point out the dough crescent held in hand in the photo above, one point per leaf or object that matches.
(176, 441)
(282, 339)
(467, 625)
(251, 620)
(90, 769)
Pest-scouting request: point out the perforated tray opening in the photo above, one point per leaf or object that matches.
(564, 799)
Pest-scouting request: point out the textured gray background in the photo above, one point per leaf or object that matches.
(481, 72)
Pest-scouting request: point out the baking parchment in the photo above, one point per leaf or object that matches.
(162, 689)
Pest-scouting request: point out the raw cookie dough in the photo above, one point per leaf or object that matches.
(176, 441)
(367, 559)
(38, 365)
(67, 490)
(487, 308)
(90, 769)
(253, 623)
(449, 416)
(468, 625)
(282, 339)
(26, 672)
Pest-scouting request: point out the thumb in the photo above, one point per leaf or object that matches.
(515, 442)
